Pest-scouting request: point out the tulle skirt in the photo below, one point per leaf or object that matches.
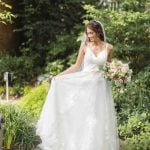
(79, 114)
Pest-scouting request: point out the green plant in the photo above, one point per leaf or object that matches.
(72, 59)
(22, 69)
(54, 67)
(42, 22)
(135, 97)
(138, 142)
(132, 112)
(6, 15)
(135, 125)
(16, 90)
(34, 100)
(2, 90)
(26, 89)
(134, 5)
(19, 130)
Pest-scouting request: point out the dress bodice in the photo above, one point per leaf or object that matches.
(92, 62)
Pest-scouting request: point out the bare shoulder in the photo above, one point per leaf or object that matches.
(109, 46)
(110, 51)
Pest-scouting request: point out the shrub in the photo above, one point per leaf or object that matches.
(135, 125)
(133, 106)
(138, 142)
(22, 69)
(16, 91)
(19, 130)
(135, 97)
(53, 68)
(2, 90)
(34, 100)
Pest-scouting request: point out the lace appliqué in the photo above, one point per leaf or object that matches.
(70, 101)
(67, 104)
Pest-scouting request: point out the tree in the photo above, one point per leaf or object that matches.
(5, 13)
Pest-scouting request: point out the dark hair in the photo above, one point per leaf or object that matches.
(96, 27)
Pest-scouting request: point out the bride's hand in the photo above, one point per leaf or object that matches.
(54, 77)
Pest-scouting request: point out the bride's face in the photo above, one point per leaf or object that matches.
(91, 35)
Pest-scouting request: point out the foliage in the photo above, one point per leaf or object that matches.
(135, 125)
(123, 5)
(127, 38)
(138, 142)
(18, 90)
(19, 130)
(2, 90)
(134, 5)
(54, 67)
(15, 91)
(135, 96)
(132, 107)
(41, 23)
(64, 46)
(5, 15)
(136, 131)
(62, 52)
(33, 101)
(72, 58)
(22, 71)
(21, 68)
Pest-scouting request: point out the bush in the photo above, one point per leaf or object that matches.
(2, 90)
(64, 46)
(135, 125)
(53, 68)
(135, 97)
(34, 100)
(19, 130)
(16, 91)
(132, 111)
(138, 142)
(22, 69)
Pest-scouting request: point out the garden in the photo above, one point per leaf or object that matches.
(49, 35)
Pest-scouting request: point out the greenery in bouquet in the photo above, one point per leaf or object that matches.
(117, 72)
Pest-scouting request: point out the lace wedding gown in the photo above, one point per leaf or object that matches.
(79, 113)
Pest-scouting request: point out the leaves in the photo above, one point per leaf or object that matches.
(5, 15)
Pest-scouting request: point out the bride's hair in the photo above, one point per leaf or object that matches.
(97, 27)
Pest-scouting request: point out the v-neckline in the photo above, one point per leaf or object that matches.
(97, 54)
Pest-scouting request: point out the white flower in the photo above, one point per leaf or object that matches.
(125, 68)
(118, 72)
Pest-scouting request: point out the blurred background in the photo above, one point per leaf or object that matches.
(40, 38)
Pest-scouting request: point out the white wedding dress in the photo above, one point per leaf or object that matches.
(79, 113)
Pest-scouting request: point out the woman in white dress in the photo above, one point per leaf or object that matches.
(79, 113)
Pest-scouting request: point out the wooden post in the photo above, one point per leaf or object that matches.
(7, 85)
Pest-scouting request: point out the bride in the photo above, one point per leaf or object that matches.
(79, 113)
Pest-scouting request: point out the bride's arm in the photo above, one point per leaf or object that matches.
(77, 64)
(110, 52)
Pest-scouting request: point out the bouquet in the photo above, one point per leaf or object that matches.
(117, 72)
